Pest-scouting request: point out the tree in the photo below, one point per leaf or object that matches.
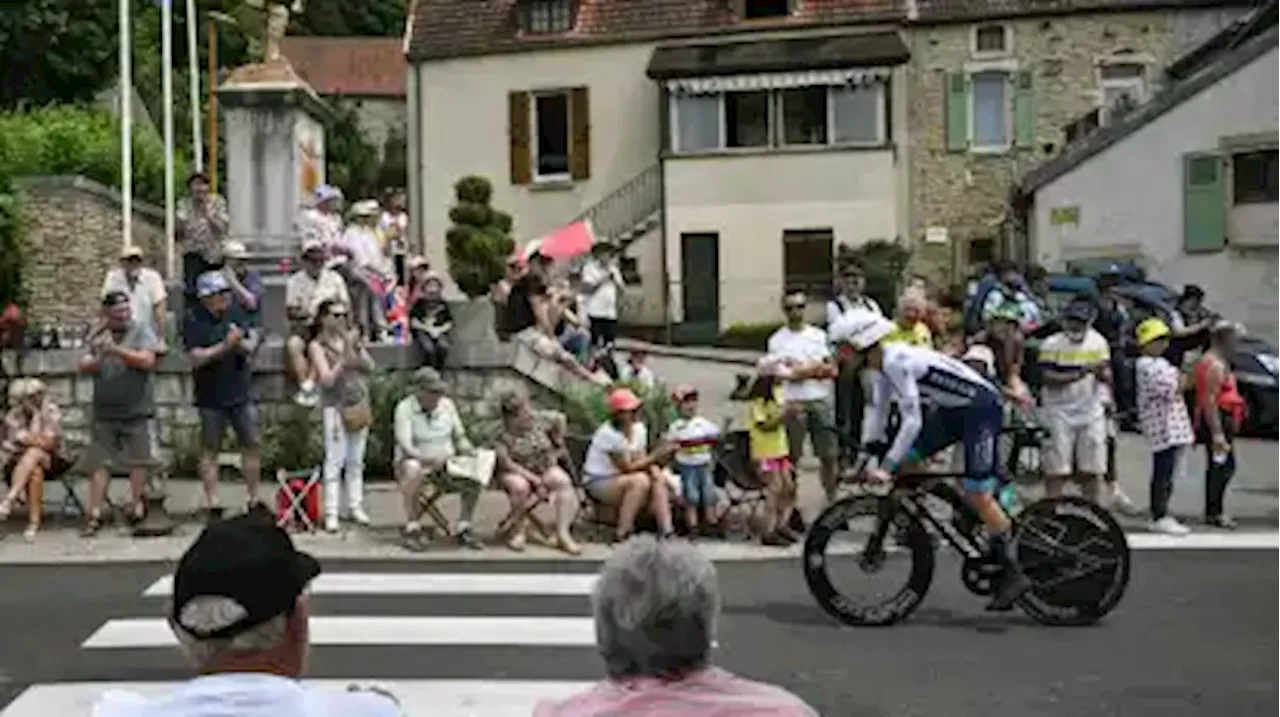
(479, 240)
(56, 50)
(882, 263)
(395, 161)
(351, 162)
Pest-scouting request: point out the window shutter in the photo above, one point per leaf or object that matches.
(957, 112)
(518, 133)
(1024, 111)
(1204, 202)
(579, 134)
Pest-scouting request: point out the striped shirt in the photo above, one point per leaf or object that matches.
(710, 693)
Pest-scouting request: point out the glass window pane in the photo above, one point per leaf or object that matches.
(804, 115)
(549, 16)
(857, 114)
(989, 39)
(990, 110)
(746, 119)
(1122, 71)
(551, 117)
(697, 122)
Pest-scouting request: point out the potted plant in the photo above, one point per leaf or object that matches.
(478, 244)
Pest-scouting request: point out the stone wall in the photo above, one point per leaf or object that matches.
(968, 193)
(73, 237)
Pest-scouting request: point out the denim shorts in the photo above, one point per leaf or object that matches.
(696, 485)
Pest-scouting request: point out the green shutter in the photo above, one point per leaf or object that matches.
(1024, 111)
(1204, 202)
(957, 112)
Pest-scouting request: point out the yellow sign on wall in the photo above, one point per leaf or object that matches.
(1064, 215)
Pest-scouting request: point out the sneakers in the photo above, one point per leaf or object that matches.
(359, 517)
(331, 523)
(415, 539)
(1220, 521)
(1169, 525)
(466, 537)
(1121, 503)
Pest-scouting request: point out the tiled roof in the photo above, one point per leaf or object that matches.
(960, 10)
(778, 55)
(456, 28)
(352, 66)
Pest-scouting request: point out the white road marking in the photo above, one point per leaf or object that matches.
(541, 584)
(1205, 541)
(382, 630)
(439, 698)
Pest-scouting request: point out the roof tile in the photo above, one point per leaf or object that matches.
(353, 66)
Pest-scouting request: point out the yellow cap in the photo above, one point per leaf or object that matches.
(1150, 330)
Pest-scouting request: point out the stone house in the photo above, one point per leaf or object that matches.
(993, 84)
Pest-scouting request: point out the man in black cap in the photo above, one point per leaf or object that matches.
(240, 613)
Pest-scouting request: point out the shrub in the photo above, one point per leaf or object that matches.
(12, 249)
(479, 240)
(586, 407)
(63, 139)
(883, 263)
(748, 336)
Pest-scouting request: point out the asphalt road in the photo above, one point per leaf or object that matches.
(1195, 635)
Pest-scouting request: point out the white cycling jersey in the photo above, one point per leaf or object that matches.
(911, 376)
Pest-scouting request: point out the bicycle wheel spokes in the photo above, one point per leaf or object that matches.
(863, 571)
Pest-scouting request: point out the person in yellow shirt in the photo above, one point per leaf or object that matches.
(910, 326)
(771, 453)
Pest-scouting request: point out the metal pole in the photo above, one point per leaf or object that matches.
(126, 124)
(213, 105)
(166, 50)
(193, 75)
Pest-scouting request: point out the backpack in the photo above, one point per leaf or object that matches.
(973, 307)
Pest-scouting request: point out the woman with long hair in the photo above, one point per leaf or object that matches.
(1219, 413)
(342, 364)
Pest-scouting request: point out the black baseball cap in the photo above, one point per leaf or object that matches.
(114, 298)
(248, 559)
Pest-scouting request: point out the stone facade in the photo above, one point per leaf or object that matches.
(967, 193)
(73, 237)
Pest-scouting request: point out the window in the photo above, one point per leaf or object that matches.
(808, 261)
(551, 135)
(548, 16)
(630, 268)
(991, 40)
(982, 251)
(818, 115)
(1121, 84)
(1253, 177)
(990, 110)
(752, 9)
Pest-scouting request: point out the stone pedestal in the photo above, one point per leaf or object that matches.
(275, 152)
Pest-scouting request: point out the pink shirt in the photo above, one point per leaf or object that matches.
(710, 693)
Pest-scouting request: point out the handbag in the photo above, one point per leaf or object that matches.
(357, 417)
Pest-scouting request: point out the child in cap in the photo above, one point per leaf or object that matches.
(771, 451)
(695, 437)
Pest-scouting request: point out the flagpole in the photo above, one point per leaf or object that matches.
(126, 125)
(166, 45)
(193, 74)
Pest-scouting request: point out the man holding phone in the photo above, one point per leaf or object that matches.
(220, 345)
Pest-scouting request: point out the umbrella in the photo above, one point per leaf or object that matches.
(566, 242)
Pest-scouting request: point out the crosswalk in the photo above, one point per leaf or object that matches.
(465, 644)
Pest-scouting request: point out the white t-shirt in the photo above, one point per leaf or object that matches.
(607, 440)
(842, 306)
(643, 375)
(1082, 401)
(693, 429)
(246, 695)
(602, 303)
(365, 249)
(807, 345)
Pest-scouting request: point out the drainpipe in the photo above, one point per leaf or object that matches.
(417, 203)
(663, 133)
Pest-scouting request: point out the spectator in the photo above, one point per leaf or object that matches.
(1219, 414)
(428, 433)
(369, 273)
(393, 224)
(419, 270)
(636, 370)
(695, 438)
(430, 322)
(619, 470)
(305, 290)
(32, 446)
(322, 222)
(771, 453)
(528, 447)
(202, 224)
(804, 351)
(918, 283)
(569, 327)
(601, 283)
(122, 357)
(910, 325)
(1112, 317)
(949, 336)
(1007, 291)
(144, 286)
(501, 296)
(1076, 366)
(850, 295)
(1004, 338)
(1189, 325)
(246, 284)
(240, 614)
(1162, 415)
(219, 344)
(656, 607)
(342, 364)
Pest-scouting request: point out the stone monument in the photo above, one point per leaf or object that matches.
(274, 142)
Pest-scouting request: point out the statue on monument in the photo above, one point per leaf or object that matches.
(276, 24)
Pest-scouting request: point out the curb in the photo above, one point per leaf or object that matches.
(727, 356)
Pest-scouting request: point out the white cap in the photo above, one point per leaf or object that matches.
(234, 249)
(365, 208)
(860, 329)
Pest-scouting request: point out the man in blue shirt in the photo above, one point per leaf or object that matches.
(220, 342)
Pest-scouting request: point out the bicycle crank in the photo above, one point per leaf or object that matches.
(981, 576)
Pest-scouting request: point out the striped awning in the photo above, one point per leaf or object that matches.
(777, 80)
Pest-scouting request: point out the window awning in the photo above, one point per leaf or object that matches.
(769, 64)
(777, 80)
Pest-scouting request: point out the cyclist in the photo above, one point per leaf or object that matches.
(965, 408)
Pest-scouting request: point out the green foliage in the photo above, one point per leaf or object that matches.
(56, 51)
(75, 140)
(882, 262)
(395, 161)
(587, 406)
(331, 18)
(748, 336)
(479, 240)
(12, 249)
(385, 391)
(352, 163)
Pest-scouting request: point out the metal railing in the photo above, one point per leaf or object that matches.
(627, 206)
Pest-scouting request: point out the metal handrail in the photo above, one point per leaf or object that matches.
(627, 206)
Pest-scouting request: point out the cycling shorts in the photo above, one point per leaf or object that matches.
(977, 427)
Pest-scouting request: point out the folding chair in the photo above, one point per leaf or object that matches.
(298, 499)
(544, 529)
(736, 477)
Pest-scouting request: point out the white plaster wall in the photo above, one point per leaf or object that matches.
(1131, 195)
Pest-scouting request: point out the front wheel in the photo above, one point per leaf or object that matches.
(1077, 558)
(883, 537)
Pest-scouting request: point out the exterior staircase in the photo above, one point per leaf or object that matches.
(630, 211)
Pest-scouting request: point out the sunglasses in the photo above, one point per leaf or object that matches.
(792, 307)
(338, 315)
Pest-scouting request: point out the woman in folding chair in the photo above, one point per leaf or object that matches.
(32, 446)
(620, 471)
(528, 446)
